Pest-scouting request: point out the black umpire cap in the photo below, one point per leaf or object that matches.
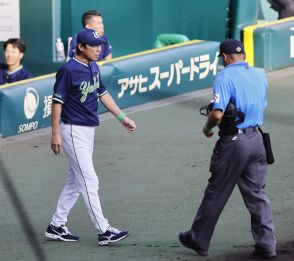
(231, 46)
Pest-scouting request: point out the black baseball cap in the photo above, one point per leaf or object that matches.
(231, 46)
(90, 37)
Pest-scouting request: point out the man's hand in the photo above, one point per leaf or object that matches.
(110, 105)
(128, 124)
(56, 137)
(214, 118)
(207, 132)
(56, 143)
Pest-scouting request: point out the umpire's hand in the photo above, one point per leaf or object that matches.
(128, 124)
(207, 132)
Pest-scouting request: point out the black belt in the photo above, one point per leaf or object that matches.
(248, 130)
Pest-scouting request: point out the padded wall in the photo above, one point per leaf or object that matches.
(131, 25)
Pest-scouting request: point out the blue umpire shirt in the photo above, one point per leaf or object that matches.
(105, 48)
(78, 86)
(246, 88)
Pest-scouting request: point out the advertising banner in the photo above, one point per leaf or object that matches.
(166, 73)
(131, 80)
(26, 107)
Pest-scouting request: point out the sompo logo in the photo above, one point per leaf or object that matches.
(31, 103)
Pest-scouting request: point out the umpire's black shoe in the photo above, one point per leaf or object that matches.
(60, 233)
(187, 241)
(263, 254)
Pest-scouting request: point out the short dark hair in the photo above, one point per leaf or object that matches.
(78, 51)
(88, 16)
(15, 42)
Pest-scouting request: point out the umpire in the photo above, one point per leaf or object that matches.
(239, 155)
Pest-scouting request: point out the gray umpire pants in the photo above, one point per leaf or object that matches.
(237, 159)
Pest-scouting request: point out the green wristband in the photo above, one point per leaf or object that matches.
(120, 116)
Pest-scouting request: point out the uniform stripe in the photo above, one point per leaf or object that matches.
(83, 177)
(103, 93)
(55, 99)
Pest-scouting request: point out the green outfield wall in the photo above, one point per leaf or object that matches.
(241, 14)
(270, 45)
(131, 25)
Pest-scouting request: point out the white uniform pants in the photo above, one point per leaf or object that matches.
(78, 142)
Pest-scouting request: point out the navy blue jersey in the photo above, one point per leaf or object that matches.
(78, 87)
(17, 75)
(105, 48)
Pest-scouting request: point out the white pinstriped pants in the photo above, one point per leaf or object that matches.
(78, 143)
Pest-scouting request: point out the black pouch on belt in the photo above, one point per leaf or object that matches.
(267, 146)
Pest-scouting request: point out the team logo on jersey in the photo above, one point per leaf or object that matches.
(31, 103)
(216, 98)
(96, 35)
(87, 88)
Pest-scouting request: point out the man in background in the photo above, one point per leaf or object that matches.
(285, 8)
(13, 70)
(92, 19)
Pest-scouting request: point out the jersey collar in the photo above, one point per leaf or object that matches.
(16, 70)
(77, 60)
(237, 64)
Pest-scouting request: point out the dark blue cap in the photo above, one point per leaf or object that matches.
(231, 46)
(90, 37)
